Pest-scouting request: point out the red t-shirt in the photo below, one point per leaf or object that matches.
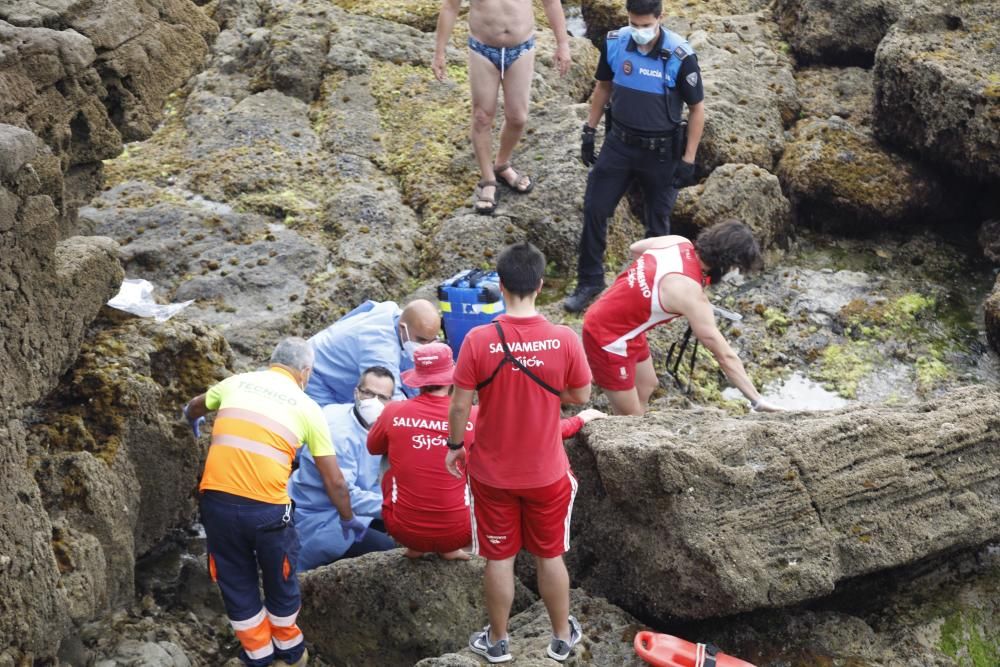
(518, 445)
(424, 495)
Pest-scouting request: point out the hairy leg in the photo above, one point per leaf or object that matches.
(516, 97)
(484, 82)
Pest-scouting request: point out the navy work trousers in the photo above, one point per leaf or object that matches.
(617, 165)
(245, 536)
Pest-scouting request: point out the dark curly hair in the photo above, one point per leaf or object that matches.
(728, 245)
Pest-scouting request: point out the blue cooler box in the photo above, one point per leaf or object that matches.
(468, 299)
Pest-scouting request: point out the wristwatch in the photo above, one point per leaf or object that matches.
(456, 445)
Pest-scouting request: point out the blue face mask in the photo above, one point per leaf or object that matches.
(643, 36)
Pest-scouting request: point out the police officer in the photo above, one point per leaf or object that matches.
(647, 73)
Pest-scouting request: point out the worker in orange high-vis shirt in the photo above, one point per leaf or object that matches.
(263, 419)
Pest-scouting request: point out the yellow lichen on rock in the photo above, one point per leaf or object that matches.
(420, 14)
(426, 128)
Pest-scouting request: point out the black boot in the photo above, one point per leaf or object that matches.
(581, 297)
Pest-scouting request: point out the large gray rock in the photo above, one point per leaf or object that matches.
(247, 275)
(837, 33)
(608, 633)
(112, 471)
(936, 92)
(384, 608)
(52, 287)
(84, 76)
(840, 178)
(721, 515)
(745, 192)
(38, 611)
(119, 463)
(750, 92)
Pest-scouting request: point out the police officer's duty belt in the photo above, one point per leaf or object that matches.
(650, 143)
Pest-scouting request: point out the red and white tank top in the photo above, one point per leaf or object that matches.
(632, 305)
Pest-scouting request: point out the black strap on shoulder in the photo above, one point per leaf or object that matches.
(711, 653)
(509, 357)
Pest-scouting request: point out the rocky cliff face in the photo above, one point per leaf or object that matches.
(315, 163)
(75, 80)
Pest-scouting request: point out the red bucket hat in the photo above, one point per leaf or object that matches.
(432, 365)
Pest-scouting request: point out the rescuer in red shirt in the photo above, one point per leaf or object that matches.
(665, 281)
(424, 508)
(523, 368)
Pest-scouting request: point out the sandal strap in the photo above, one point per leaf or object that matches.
(500, 168)
(486, 184)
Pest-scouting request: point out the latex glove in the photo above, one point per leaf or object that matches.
(195, 424)
(590, 414)
(354, 529)
(451, 461)
(763, 406)
(587, 153)
(683, 174)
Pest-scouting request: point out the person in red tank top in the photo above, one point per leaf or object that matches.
(665, 281)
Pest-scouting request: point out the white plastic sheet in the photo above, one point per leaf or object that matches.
(136, 297)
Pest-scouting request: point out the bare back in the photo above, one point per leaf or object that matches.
(501, 22)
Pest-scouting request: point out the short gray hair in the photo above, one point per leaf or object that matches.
(293, 352)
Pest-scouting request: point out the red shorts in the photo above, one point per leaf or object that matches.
(504, 520)
(435, 541)
(613, 371)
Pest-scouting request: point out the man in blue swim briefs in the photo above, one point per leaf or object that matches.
(501, 55)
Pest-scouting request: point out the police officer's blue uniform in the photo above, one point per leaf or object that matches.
(647, 97)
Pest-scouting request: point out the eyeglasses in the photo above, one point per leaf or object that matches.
(368, 393)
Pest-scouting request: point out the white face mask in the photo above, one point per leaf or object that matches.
(643, 36)
(369, 409)
(409, 346)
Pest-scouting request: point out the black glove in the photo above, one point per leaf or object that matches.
(587, 153)
(683, 174)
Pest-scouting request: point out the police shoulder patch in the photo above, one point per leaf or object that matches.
(683, 51)
(692, 79)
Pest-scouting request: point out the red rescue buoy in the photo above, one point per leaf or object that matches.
(669, 651)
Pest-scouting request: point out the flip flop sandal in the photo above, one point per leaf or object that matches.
(521, 191)
(479, 198)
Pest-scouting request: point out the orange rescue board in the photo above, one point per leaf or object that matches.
(669, 651)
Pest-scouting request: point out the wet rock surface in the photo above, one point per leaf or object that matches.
(720, 516)
(936, 92)
(607, 637)
(385, 608)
